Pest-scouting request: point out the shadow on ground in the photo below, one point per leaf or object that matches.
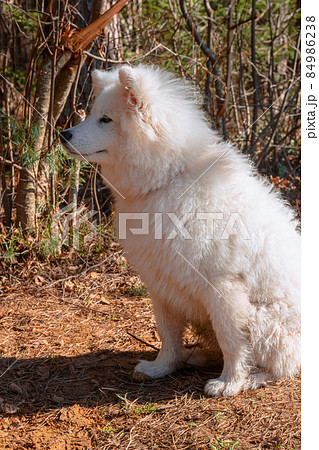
(42, 384)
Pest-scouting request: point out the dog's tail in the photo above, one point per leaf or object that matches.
(275, 333)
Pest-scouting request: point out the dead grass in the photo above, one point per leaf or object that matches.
(66, 371)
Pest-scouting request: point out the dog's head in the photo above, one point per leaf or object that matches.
(126, 110)
(142, 120)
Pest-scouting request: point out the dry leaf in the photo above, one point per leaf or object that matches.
(15, 388)
(8, 408)
(69, 284)
(58, 399)
(94, 275)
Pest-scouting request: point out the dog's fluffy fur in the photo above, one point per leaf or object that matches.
(239, 289)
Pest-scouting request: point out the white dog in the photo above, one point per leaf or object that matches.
(217, 249)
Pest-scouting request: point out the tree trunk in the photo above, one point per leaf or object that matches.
(26, 190)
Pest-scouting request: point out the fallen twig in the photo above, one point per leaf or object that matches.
(141, 340)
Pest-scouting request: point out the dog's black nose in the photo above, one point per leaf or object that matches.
(66, 135)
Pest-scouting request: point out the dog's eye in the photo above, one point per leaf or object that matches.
(105, 119)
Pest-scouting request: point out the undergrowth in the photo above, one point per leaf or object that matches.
(51, 241)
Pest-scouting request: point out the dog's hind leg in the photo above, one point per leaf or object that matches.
(200, 357)
(170, 327)
(275, 334)
(207, 352)
(257, 378)
(229, 310)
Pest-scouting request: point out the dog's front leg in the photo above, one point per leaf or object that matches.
(229, 310)
(170, 328)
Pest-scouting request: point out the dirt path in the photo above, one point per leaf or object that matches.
(67, 373)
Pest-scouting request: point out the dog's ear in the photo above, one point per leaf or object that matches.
(130, 84)
(138, 90)
(103, 78)
(98, 82)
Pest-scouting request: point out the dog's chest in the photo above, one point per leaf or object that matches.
(154, 238)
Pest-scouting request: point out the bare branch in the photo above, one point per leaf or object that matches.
(209, 53)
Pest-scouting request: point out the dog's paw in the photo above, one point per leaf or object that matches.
(257, 380)
(150, 369)
(140, 376)
(221, 388)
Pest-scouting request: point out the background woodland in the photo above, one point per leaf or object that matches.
(243, 55)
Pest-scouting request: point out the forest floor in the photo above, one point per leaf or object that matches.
(66, 370)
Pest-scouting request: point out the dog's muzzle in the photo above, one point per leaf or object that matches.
(66, 135)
